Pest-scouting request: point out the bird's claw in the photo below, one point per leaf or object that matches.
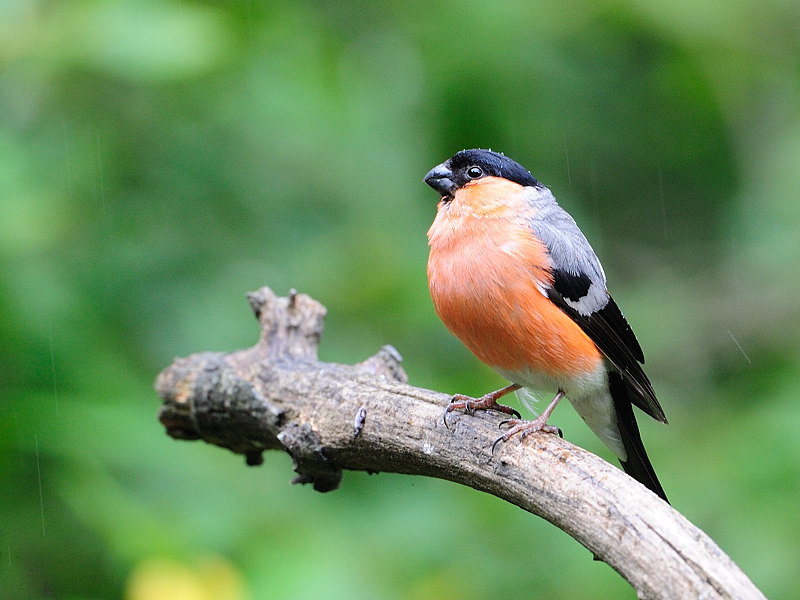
(524, 429)
(471, 405)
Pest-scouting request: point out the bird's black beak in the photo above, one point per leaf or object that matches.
(440, 178)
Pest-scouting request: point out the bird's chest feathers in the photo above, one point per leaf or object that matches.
(488, 276)
(482, 247)
(475, 259)
(485, 274)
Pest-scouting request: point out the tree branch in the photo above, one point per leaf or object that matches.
(330, 417)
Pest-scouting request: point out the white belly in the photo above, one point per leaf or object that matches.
(588, 394)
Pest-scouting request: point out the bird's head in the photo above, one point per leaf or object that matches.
(467, 166)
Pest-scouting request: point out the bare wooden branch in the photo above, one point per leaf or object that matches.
(330, 417)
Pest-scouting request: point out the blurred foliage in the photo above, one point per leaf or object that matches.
(159, 158)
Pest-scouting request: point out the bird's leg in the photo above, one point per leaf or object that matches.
(488, 402)
(525, 428)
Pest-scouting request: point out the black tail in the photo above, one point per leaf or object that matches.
(638, 465)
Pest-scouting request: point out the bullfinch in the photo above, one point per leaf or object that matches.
(513, 277)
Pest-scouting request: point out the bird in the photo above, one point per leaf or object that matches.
(513, 277)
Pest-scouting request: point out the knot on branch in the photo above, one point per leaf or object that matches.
(386, 363)
(310, 462)
(291, 326)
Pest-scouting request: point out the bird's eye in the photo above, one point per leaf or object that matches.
(474, 172)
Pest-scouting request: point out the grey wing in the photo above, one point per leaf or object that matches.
(579, 289)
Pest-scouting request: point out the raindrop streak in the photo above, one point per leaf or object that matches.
(663, 205)
(566, 154)
(67, 161)
(595, 197)
(53, 366)
(735, 261)
(739, 346)
(39, 476)
(595, 189)
(100, 173)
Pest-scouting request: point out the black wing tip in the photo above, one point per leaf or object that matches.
(613, 315)
(642, 393)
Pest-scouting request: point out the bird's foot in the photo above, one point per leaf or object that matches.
(488, 402)
(525, 428)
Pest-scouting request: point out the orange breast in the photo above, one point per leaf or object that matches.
(486, 271)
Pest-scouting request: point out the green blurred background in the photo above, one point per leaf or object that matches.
(158, 159)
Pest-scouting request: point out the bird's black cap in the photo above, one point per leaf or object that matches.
(469, 165)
